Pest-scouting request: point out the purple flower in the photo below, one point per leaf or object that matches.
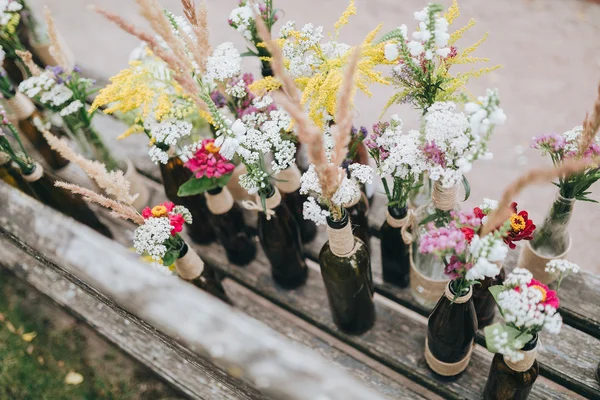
(76, 69)
(218, 98)
(440, 241)
(434, 154)
(248, 78)
(364, 132)
(553, 142)
(467, 218)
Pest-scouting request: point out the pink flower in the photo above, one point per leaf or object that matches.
(549, 297)
(442, 240)
(176, 221)
(147, 212)
(550, 142)
(434, 154)
(208, 162)
(454, 267)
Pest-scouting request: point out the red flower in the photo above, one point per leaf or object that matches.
(478, 212)
(168, 205)
(549, 297)
(208, 162)
(521, 227)
(147, 212)
(468, 232)
(177, 222)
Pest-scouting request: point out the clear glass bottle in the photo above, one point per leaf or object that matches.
(395, 257)
(228, 221)
(279, 236)
(346, 270)
(430, 269)
(451, 330)
(509, 380)
(174, 174)
(359, 217)
(485, 305)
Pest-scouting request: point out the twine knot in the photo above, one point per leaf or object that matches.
(250, 205)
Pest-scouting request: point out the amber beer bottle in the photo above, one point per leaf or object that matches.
(175, 174)
(27, 115)
(513, 380)
(280, 240)
(42, 184)
(346, 270)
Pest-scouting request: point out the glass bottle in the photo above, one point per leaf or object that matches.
(427, 272)
(550, 241)
(451, 330)
(12, 175)
(395, 257)
(280, 240)
(288, 183)
(485, 305)
(358, 214)
(174, 174)
(346, 270)
(190, 267)
(513, 380)
(422, 195)
(228, 221)
(29, 118)
(42, 185)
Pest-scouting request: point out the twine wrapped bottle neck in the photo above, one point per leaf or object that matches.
(35, 175)
(21, 106)
(341, 239)
(219, 201)
(449, 293)
(444, 199)
(288, 180)
(189, 265)
(523, 365)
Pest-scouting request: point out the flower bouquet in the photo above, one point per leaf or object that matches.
(528, 308)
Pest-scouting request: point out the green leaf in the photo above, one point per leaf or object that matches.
(170, 257)
(395, 34)
(512, 335)
(496, 290)
(196, 186)
(467, 187)
(249, 53)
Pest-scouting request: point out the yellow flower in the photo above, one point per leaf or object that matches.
(135, 128)
(211, 148)
(517, 223)
(159, 211)
(264, 86)
(351, 10)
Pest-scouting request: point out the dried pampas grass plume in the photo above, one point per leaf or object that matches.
(28, 60)
(113, 183)
(591, 124)
(532, 177)
(55, 47)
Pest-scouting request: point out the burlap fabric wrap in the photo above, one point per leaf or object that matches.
(288, 180)
(341, 241)
(536, 263)
(270, 203)
(444, 368)
(525, 363)
(190, 266)
(36, 174)
(219, 203)
(21, 106)
(238, 192)
(137, 185)
(430, 289)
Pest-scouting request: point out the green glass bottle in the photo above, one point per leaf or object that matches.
(280, 240)
(513, 380)
(228, 221)
(485, 305)
(451, 330)
(395, 256)
(12, 175)
(42, 184)
(174, 174)
(346, 270)
(358, 213)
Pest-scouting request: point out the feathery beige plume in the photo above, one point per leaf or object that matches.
(532, 177)
(28, 60)
(124, 211)
(55, 46)
(113, 183)
(591, 124)
(198, 19)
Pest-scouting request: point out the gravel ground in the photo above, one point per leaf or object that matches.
(549, 49)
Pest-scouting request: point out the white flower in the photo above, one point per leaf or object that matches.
(391, 51)
(57, 96)
(443, 52)
(312, 211)
(561, 267)
(73, 107)
(225, 63)
(486, 251)
(151, 237)
(309, 181)
(345, 193)
(415, 48)
(403, 31)
(362, 173)
(518, 277)
(171, 131)
(157, 155)
(422, 15)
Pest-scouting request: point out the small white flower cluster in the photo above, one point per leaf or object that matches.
(168, 132)
(243, 18)
(346, 193)
(404, 158)
(254, 180)
(45, 88)
(237, 89)
(518, 277)
(225, 63)
(507, 348)
(429, 40)
(151, 236)
(486, 251)
(8, 8)
(72, 108)
(522, 309)
(572, 140)
(461, 138)
(487, 207)
(561, 268)
(299, 51)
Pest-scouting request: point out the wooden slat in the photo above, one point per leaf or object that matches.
(222, 336)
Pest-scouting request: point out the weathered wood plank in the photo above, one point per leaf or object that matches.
(221, 335)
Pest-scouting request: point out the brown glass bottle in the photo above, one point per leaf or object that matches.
(14, 71)
(174, 174)
(295, 203)
(232, 233)
(395, 258)
(451, 330)
(485, 305)
(280, 240)
(506, 383)
(209, 280)
(63, 201)
(358, 214)
(348, 280)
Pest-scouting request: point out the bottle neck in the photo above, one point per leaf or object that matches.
(35, 175)
(21, 106)
(219, 200)
(529, 353)
(341, 239)
(450, 294)
(288, 180)
(444, 199)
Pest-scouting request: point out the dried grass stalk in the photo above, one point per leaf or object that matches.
(55, 45)
(198, 19)
(533, 177)
(28, 60)
(591, 124)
